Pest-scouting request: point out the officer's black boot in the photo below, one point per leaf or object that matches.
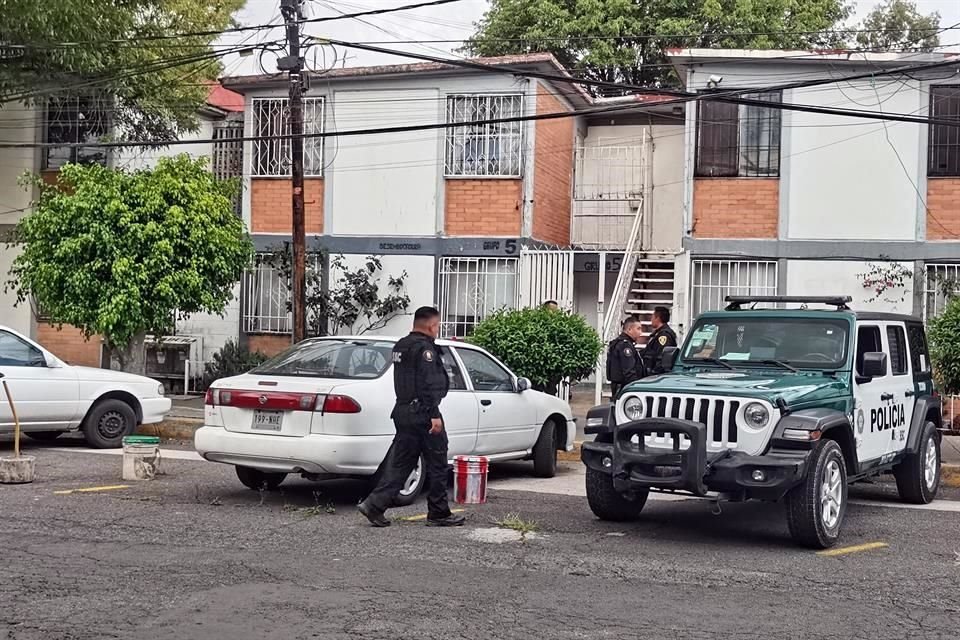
(452, 520)
(372, 514)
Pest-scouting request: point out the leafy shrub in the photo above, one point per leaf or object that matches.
(541, 344)
(943, 334)
(231, 360)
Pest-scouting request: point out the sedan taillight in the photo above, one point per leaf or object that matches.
(340, 404)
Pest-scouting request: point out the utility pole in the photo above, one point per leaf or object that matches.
(292, 11)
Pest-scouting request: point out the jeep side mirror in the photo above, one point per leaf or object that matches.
(874, 366)
(668, 358)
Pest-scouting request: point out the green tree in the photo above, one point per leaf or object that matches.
(943, 334)
(541, 344)
(119, 48)
(625, 40)
(897, 24)
(121, 254)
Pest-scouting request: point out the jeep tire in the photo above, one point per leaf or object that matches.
(608, 503)
(918, 476)
(815, 508)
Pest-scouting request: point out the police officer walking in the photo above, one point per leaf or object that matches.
(662, 336)
(420, 382)
(623, 362)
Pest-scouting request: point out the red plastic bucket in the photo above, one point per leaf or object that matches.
(470, 479)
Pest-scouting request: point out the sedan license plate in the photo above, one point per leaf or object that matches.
(267, 420)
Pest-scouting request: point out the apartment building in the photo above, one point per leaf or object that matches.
(73, 118)
(787, 202)
(480, 216)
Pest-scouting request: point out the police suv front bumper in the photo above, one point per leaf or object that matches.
(690, 469)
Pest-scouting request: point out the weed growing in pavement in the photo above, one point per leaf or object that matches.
(956, 562)
(514, 522)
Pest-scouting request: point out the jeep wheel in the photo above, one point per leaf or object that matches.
(816, 507)
(609, 504)
(918, 477)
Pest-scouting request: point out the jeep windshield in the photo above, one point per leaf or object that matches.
(785, 343)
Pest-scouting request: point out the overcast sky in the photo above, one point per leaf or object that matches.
(446, 22)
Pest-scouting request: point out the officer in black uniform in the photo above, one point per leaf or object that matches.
(420, 382)
(623, 362)
(662, 336)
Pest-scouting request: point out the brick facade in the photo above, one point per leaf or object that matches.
(69, 345)
(943, 208)
(483, 207)
(736, 207)
(271, 208)
(552, 172)
(268, 345)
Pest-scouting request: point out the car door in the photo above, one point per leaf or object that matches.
(878, 398)
(46, 398)
(507, 418)
(902, 388)
(460, 409)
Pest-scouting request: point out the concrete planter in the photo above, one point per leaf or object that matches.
(19, 470)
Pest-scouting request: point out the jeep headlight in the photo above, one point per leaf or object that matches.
(756, 415)
(633, 408)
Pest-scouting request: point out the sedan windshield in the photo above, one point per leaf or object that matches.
(331, 358)
(785, 343)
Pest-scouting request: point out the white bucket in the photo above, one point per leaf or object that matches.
(141, 457)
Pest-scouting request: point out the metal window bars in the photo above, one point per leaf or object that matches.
(471, 289)
(944, 141)
(227, 161)
(942, 282)
(713, 280)
(271, 118)
(479, 150)
(74, 119)
(265, 296)
(739, 140)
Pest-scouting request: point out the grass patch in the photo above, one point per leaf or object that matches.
(514, 522)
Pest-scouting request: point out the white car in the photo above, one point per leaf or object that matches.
(52, 397)
(322, 410)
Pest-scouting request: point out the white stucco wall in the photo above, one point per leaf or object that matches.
(419, 286)
(18, 124)
(214, 330)
(841, 277)
(146, 157)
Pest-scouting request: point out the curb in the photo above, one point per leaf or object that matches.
(171, 429)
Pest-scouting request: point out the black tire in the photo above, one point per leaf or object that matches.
(107, 423)
(409, 494)
(915, 482)
(808, 524)
(259, 480)
(609, 504)
(545, 452)
(43, 436)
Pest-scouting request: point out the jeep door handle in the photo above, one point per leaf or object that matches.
(908, 394)
(486, 403)
(886, 396)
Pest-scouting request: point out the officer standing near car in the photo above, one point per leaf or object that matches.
(420, 382)
(623, 361)
(662, 337)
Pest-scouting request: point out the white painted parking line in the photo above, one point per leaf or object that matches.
(169, 454)
(950, 506)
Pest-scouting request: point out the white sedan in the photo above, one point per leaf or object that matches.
(322, 410)
(52, 397)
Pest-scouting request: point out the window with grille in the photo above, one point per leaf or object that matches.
(473, 288)
(228, 154)
(713, 280)
(265, 296)
(944, 140)
(739, 140)
(942, 283)
(476, 150)
(72, 120)
(271, 118)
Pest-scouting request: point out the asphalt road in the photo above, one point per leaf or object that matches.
(193, 554)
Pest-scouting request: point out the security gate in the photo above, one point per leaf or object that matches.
(546, 275)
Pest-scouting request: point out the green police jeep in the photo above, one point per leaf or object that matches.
(774, 404)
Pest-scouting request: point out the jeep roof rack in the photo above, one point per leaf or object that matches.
(840, 302)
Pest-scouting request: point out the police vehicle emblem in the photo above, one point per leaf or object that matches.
(428, 355)
(860, 421)
(663, 341)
